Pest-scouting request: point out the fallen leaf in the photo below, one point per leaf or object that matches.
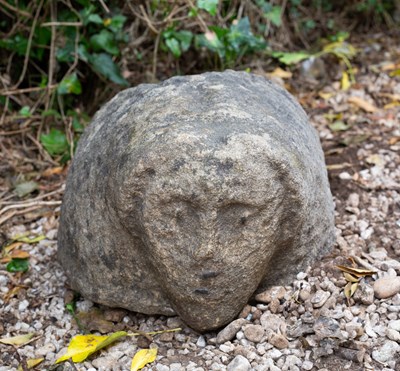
(29, 239)
(350, 278)
(353, 288)
(394, 140)
(326, 96)
(52, 171)
(345, 82)
(391, 105)
(376, 159)
(347, 290)
(356, 271)
(31, 363)
(338, 166)
(25, 188)
(17, 340)
(279, 72)
(82, 346)
(19, 254)
(355, 139)
(14, 291)
(363, 104)
(142, 358)
(339, 126)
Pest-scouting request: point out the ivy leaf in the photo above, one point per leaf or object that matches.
(116, 23)
(94, 18)
(104, 41)
(17, 265)
(274, 15)
(25, 111)
(70, 84)
(105, 66)
(209, 6)
(291, 58)
(55, 142)
(173, 46)
(142, 358)
(82, 346)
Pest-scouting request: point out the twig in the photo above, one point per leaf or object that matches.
(28, 48)
(14, 9)
(199, 17)
(26, 90)
(105, 7)
(15, 212)
(30, 204)
(157, 43)
(41, 197)
(148, 21)
(52, 55)
(56, 24)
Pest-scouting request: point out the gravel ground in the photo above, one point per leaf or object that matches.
(308, 325)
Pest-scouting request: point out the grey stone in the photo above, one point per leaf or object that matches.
(254, 333)
(278, 341)
(386, 352)
(239, 363)
(189, 196)
(325, 327)
(386, 287)
(229, 332)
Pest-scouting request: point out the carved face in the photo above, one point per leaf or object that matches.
(211, 227)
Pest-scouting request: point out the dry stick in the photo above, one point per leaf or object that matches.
(41, 197)
(104, 6)
(154, 70)
(26, 90)
(28, 48)
(56, 24)
(15, 212)
(41, 151)
(30, 204)
(199, 17)
(51, 58)
(14, 9)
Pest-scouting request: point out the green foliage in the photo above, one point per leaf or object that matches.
(55, 142)
(17, 265)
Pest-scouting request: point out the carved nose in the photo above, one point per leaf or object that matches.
(204, 251)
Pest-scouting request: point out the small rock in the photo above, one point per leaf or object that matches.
(239, 363)
(114, 315)
(161, 367)
(274, 306)
(274, 292)
(254, 333)
(229, 332)
(166, 337)
(307, 365)
(325, 327)
(353, 200)
(23, 305)
(45, 349)
(320, 298)
(386, 352)
(304, 295)
(278, 341)
(174, 322)
(386, 287)
(245, 311)
(395, 325)
(393, 334)
(364, 294)
(201, 342)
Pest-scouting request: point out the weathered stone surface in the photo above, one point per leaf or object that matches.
(187, 196)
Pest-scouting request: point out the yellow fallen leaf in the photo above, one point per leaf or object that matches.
(30, 240)
(350, 278)
(345, 83)
(391, 105)
(356, 271)
(142, 358)
(17, 340)
(363, 104)
(82, 346)
(326, 96)
(279, 72)
(353, 288)
(31, 363)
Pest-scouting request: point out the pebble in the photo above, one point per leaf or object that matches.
(325, 327)
(239, 363)
(201, 342)
(386, 352)
(229, 332)
(386, 287)
(254, 333)
(320, 298)
(274, 292)
(393, 334)
(278, 341)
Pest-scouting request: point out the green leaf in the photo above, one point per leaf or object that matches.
(209, 6)
(55, 142)
(339, 126)
(173, 46)
(104, 65)
(104, 41)
(117, 23)
(25, 188)
(17, 265)
(94, 18)
(83, 53)
(25, 111)
(70, 84)
(51, 112)
(274, 15)
(185, 39)
(291, 58)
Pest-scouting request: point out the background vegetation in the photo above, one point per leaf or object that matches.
(59, 60)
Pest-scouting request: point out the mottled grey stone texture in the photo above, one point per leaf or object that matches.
(186, 196)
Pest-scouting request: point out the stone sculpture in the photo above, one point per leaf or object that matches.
(186, 196)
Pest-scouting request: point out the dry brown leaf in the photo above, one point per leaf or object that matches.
(350, 278)
(279, 72)
(356, 271)
(19, 254)
(394, 140)
(363, 104)
(52, 171)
